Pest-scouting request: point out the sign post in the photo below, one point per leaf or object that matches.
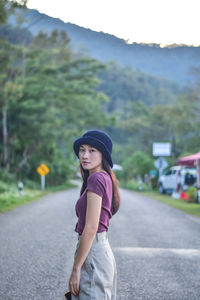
(161, 164)
(43, 170)
(160, 150)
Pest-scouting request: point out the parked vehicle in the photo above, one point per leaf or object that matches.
(178, 178)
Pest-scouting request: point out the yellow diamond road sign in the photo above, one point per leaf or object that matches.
(43, 170)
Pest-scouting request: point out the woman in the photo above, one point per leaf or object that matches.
(94, 270)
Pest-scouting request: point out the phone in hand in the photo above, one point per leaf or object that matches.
(68, 295)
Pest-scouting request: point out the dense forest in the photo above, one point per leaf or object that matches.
(50, 95)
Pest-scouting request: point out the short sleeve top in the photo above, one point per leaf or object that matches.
(99, 183)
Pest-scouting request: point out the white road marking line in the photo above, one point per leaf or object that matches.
(156, 251)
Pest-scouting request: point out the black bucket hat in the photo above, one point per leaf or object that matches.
(97, 139)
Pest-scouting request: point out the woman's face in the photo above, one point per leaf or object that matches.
(90, 158)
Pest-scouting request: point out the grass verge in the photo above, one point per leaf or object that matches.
(12, 198)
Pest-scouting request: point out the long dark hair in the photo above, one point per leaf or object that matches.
(115, 190)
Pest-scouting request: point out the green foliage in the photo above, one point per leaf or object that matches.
(3, 14)
(3, 187)
(50, 98)
(30, 184)
(123, 85)
(138, 163)
(135, 186)
(7, 5)
(7, 176)
(192, 193)
(177, 123)
(11, 198)
(60, 169)
(16, 35)
(154, 183)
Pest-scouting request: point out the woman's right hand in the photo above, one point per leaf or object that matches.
(74, 282)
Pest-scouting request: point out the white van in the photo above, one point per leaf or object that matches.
(177, 179)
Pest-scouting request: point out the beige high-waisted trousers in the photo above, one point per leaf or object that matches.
(98, 273)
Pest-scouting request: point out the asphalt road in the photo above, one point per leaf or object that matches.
(157, 249)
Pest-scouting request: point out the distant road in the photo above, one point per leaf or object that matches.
(157, 249)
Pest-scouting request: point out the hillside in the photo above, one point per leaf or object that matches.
(174, 63)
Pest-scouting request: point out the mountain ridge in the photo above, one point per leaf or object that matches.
(174, 62)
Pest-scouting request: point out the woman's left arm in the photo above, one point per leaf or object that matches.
(93, 211)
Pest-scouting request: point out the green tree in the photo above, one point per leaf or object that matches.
(139, 163)
(124, 84)
(10, 88)
(177, 123)
(52, 99)
(7, 5)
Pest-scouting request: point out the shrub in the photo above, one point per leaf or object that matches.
(31, 184)
(135, 186)
(154, 183)
(139, 163)
(192, 193)
(7, 177)
(3, 187)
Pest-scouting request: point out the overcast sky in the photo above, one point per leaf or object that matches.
(144, 21)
